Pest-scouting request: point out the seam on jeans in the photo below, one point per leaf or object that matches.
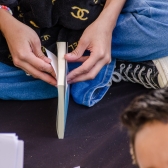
(96, 86)
(93, 87)
(105, 85)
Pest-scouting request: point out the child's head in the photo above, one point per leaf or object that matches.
(146, 119)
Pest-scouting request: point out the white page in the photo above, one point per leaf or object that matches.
(8, 150)
(63, 95)
(54, 61)
(67, 92)
(20, 154)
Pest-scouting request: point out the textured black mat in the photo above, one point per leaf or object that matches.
(93, 138)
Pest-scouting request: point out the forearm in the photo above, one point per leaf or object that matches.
(6, 21)
(4, 14)
(111, 11)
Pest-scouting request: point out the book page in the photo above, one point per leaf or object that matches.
(63, 89)
(20, 154)
(54, 60)
(67, 92)
(11, 151)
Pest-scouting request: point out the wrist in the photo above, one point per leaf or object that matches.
(5, 13)
(5, 18)
(6, 8)
(111, 12)
(107, 19)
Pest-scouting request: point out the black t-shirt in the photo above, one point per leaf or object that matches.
(53, 20)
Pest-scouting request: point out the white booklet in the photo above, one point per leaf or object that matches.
(60, 67)
(11, 151)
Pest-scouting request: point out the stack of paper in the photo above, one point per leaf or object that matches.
(11, 151)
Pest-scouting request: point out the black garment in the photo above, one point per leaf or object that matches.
(53, 20)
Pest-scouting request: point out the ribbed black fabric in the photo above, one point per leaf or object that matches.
(53, 20)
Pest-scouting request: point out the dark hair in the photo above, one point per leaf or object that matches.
(143, 109)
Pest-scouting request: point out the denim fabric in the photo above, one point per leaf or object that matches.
(141, 34)
(90, 92)
(14, 84)
(142, 31)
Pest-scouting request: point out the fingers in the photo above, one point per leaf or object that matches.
(81, 59)
(89, 69)
(36, 67)
(87, 76)
(36, 49)
(25, 48)
(39, 74)
(77, 53)
(41, 65)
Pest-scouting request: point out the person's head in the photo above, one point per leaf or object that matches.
(146, 119)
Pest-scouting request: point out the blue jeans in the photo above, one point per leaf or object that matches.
(141, 34)
(14, 84)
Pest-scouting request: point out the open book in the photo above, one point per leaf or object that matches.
(60, 67)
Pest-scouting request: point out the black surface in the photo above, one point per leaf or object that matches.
(94, 137)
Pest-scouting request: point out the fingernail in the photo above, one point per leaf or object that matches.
(69, 82)
(68, 79)
(68, 54)
(49, 60)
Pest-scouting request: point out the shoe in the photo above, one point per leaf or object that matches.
(150, 74)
